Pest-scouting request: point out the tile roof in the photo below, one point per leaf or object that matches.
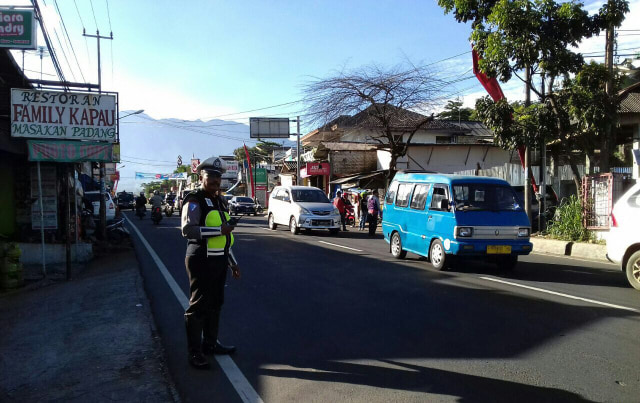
(630, 104)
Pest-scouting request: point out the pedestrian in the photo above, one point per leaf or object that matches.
(205, 223)
(338, 203)
(364, 211)
(373, 210)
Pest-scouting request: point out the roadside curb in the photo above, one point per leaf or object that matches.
(573, 249)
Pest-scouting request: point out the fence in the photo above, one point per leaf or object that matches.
(599, 193)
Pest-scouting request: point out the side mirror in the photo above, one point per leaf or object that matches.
(444, 205)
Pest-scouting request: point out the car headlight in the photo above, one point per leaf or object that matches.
(464, 232)
(336, 211)
(304, 211)
(523, 232)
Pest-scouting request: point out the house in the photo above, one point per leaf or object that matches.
(628, 134)
(351, 144)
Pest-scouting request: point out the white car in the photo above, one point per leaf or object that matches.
(623, 241)
(94, 198)
(304, 207)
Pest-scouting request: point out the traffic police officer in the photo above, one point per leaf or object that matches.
(205, 223)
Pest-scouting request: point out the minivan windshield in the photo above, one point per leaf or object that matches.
(485, 196)
(244, 200)
(309, 196)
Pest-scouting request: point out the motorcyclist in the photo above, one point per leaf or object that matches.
(141, 204)
(156, 200)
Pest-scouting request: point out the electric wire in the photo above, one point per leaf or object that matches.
(47, 40)
(86, 42)
(94, 15)
(64, 27)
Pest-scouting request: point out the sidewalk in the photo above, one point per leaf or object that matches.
(581, 250)
(88, 339)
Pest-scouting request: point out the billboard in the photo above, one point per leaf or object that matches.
(232, 170)
(63, 115)
(145, 175)
(269, 127)
(17, 29)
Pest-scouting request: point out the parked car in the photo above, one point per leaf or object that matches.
(448, 217)
(304, 207)
(125, 200)
(551, 203)
(242, 205)
(94, 197)
(623, 240)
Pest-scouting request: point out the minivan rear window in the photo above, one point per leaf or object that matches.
(391, 193)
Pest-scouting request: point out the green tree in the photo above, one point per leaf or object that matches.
(454, 111)
(533, 40)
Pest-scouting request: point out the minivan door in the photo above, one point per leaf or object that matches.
(417, 220)
(440, 222)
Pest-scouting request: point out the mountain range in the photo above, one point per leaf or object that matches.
(153, 145)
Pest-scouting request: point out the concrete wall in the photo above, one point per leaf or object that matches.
(54, 253)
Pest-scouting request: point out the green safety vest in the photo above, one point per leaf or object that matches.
(216, 245)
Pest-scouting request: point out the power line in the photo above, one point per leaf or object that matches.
(64, 26)
(197, 130)
(108, 15)
(45, 34)
(94, 14)
(145, 159)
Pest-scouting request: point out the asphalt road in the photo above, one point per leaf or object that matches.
(335, 318)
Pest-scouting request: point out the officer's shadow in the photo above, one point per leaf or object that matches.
(415, 378)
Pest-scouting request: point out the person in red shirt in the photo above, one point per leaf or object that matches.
(338, 202)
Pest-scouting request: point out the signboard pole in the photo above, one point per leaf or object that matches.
(44, 267)
(298, 152)
(67, 221)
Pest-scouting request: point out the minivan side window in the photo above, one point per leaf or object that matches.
(420, 196)
(278, 194)
(404, 191)
(439, 193)
(391, 193)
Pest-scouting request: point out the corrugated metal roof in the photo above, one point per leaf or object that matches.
(630, 104)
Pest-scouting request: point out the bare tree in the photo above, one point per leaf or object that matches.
(387, 101)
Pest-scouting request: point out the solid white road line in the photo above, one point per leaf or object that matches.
(591, 301)
(340, 246)
(231, 370)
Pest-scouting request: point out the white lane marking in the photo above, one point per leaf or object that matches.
(231, 370)
(340, 246)
(591, 301)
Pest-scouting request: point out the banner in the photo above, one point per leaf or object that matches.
(17, 29)
(69, 151)
(63, 115)
(246, 152)
(144, 175)
(194, 164)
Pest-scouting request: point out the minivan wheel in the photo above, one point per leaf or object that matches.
(396, 247)
(293, 227)
(633, 270)
(437, 256)
(272, 224)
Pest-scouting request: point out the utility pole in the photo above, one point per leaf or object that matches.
(103, 205)
(607, 140)
(527, 150)
(298, 153)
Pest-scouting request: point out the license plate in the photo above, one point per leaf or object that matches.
(498, 249)
(321, 222)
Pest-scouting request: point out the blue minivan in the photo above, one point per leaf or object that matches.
(448, 217)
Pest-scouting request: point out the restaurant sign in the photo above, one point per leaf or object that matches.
(63, 115)
(17, 28)
(70, 151)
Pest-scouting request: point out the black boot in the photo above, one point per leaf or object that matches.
(210, 343)
(194, 326)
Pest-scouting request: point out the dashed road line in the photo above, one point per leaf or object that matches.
(559, 294)
(229, 367)
(340, 246)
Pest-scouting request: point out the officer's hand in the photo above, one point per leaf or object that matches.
(226, 229)
(235, 271)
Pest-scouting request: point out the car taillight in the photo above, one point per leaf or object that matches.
(614, 223)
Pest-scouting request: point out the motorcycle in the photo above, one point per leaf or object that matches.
(140, 211)
(168, 208)
(156, 215)
(116, 232)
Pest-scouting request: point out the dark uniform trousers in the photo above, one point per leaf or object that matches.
(207, 277)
